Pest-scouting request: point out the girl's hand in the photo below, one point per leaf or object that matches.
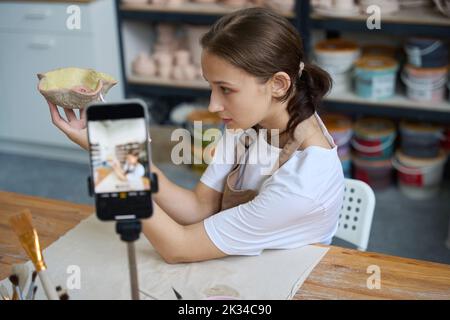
(73, 128)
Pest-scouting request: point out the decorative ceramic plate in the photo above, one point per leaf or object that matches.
(74, 88)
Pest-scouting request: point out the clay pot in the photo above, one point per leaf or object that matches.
(177, 73)
(163, 59)
(182, 57)
(164, 72)
(144, 65)
(189, 72)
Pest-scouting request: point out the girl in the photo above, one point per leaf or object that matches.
(254, 62)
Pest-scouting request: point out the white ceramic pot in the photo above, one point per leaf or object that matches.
(163, 59)
(164, 72)
(144, 65)
(177, 73)
(189, 72)
(182, 57)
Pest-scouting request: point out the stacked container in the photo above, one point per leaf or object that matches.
(420, 161)
(373, 144)
(375, 77)
(340, 128)
(425, 75)
(337, 57)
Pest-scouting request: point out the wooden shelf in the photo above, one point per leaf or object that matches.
(425, 21)
(194, 84)
(211, 9)
(424, 16)
(399, 105)
(398, 101)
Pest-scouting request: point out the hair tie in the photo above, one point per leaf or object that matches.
(302, 66)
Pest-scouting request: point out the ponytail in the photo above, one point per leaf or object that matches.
(309, 89)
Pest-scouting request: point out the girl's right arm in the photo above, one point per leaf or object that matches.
(183, 205)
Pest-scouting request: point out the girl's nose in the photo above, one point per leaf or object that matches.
(214, 104)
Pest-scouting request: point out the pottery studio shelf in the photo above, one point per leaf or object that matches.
(167, 87)
(197, 13)
(398, 106)
(424, 21)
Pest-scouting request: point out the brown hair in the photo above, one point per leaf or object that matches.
(262, 43)
(134, 153)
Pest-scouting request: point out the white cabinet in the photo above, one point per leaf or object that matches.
(28, 54)
(33, 39)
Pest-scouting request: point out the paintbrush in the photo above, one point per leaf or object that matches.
(28, 237)
(179, 297)
(14, 279)
(4, 292)
(31, 287)
(22, 271)
(34, 293)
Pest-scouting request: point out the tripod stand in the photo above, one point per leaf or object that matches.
(129, 231)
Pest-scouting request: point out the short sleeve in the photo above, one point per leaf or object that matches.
(275, 219)
(222, 162)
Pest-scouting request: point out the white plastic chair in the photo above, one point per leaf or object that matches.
(355, 219)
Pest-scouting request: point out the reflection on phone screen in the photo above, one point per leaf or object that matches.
(119, 155)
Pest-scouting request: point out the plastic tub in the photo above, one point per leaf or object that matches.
(342, 82)
(379, 50)
(340, 128)
(336, 55)
(427, 52)
(420, 140)
(377, 174)
(375, 77)
(374, 138)
(419, 178)
(425, 84)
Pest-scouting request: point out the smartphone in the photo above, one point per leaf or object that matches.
(120, 157)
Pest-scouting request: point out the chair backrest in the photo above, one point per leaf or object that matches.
(355, 219)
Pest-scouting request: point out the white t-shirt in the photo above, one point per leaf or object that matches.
(296, 206)
(136, 172)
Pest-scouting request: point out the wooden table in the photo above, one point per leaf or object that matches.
(342, 273)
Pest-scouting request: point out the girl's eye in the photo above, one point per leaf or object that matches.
(225, 90)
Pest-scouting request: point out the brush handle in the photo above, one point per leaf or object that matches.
(30, 291)
(49, 289)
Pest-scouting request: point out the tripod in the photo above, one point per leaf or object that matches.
(129, 231)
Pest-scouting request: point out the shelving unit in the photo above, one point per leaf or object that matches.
(419, 21)
(407, 22)
(186, 12)
(423, 22)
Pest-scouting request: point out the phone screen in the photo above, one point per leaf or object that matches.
(119, 155)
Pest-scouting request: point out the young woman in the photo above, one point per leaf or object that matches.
(255, 64)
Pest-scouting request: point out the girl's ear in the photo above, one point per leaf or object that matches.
(280, 84)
